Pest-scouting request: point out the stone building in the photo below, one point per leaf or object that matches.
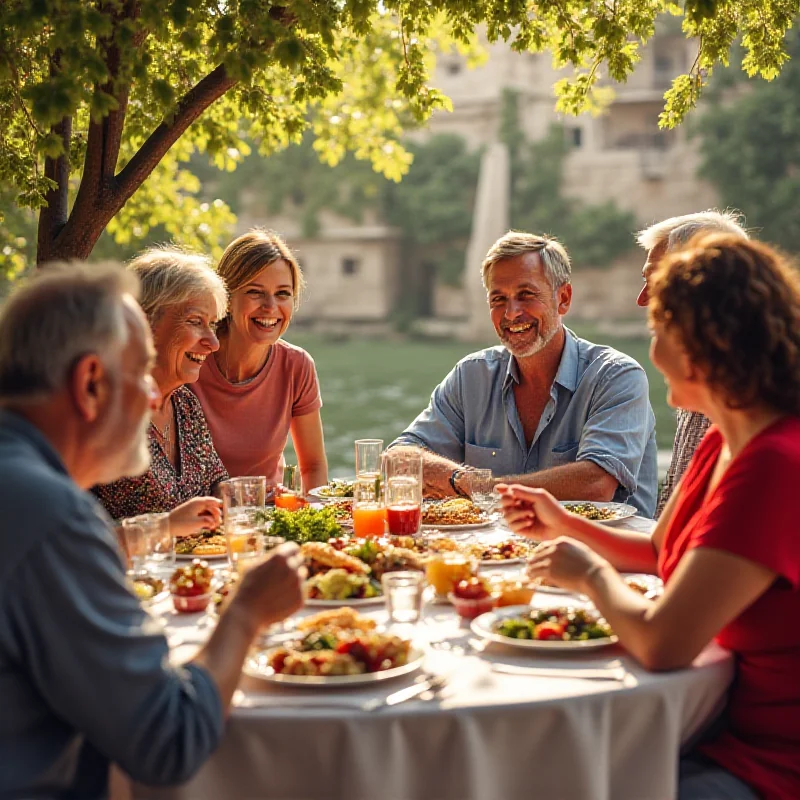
(357, 272)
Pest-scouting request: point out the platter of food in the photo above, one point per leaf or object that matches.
(349, 571)
(210, 545)
(564, 628)
(454, 514)
(334, 649)
(148, 589)
(333, 489)
(509, 551)
(650, 586)
(604, 513)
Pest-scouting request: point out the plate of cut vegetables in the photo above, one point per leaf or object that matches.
(562, 628)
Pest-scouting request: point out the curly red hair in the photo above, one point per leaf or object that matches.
(735, 305)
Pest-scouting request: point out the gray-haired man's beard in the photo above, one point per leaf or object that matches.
(532, 347)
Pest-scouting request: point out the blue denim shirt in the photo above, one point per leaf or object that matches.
(85, 676)
(598, 411)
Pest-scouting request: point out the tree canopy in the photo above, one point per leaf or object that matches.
(99, 95)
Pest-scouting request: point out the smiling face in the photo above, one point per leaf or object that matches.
(684, 387)
(184, 337)
(525, 310)
(261, 309)
(654, 257)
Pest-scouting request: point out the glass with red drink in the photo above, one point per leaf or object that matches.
(403, 477)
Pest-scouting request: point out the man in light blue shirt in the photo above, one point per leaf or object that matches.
(546, 408)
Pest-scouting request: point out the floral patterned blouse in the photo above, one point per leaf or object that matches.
(163, 486)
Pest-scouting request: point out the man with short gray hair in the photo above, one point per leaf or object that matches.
(658, 240)
(545, 408)
(85, 677)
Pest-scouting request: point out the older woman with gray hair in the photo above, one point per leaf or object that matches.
(183, 298)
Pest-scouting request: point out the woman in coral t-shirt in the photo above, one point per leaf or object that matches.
(725, 317)
(256, 388)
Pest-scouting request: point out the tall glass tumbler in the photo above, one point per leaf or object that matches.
(148, 540)
(241, 498)
(369, 511)
(368, 457)
(402, 468)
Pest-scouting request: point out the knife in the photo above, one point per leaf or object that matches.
(431, 684)
(616, 674)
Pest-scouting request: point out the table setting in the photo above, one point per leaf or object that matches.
(465, 713)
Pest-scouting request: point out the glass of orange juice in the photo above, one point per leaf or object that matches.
(369, 510)
(290, 496)
(445, 570)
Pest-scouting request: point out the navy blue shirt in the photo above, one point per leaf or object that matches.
(84, 671)
(599, 410)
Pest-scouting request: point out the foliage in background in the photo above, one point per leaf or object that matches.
(100, 91)
(594, 234)
(750, 150)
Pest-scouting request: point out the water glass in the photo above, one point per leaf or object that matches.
(480, 485)
(403, 480)
(148, 541)
(403, 594)
(241, 498)
(368, 457)
(369, 511)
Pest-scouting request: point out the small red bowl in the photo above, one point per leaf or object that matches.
(191, 604)
(469, 609)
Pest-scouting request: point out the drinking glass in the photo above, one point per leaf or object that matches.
(403, 479)
(290, 495)
(403, 594)
(369, 511)
(480, 485)
(148, 541)
(241, 498)
(445, 570)
(246, 547)
(368, 457)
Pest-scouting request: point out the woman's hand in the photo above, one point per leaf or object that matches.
(195, 515)
(533, 513)
(565, 563)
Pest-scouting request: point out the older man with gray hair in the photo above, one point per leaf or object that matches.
(658, 240)
(85, 677)
(546, 408)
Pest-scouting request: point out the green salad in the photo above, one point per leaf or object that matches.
(304, 525)
(564, 624)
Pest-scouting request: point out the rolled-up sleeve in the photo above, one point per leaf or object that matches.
(102, 664)
(440, 427)
(619, 424)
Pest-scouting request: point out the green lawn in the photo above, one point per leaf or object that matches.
(373, 388)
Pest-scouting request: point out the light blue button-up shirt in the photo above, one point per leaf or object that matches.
(599, 410)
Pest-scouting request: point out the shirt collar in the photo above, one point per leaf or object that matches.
(567, 375)
(22, 428)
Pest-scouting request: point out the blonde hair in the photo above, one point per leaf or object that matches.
(170, 275)
(250, 253)
(554, 257)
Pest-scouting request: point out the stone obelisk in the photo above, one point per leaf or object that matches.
(490, 221)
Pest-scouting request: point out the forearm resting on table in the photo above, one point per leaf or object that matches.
(224, 653)
(583, 480)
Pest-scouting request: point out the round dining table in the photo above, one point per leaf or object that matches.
(507, 723)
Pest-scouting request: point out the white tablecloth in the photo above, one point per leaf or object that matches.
(487, 736)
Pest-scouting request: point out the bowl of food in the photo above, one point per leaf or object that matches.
(471, 598)
(190, 586)
(512, 591)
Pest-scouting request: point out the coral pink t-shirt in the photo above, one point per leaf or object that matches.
(250, 422)
(751, 513)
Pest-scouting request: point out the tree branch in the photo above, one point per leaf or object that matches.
(193, 104)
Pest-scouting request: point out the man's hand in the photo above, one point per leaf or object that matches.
(271, 591)
(533, 513)
(195, 515)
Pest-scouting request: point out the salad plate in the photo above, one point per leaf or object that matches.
(486, 625)
(603, 513)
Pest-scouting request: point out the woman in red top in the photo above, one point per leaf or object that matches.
(725, 318)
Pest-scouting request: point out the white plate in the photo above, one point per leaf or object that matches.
(349, 601)
(654, 584)
(490, 562)
(257, 667)
(484, 626)
(622, 510)
(445, 528)
(191, 557)
(552, 589)
(318, 493)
